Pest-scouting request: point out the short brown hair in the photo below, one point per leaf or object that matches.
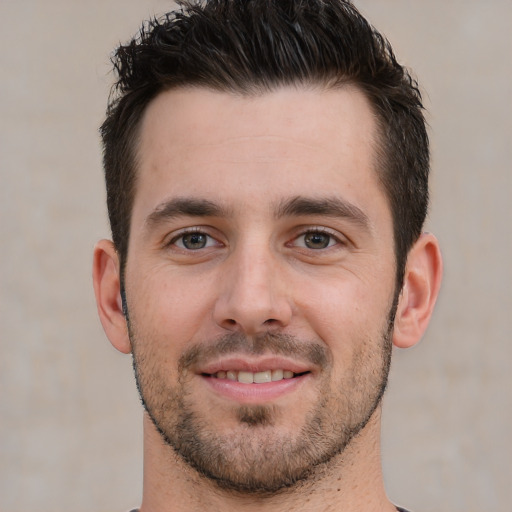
(254, 46)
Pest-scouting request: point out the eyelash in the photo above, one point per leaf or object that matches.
(293, 243)
(196, 230)
(318, 231)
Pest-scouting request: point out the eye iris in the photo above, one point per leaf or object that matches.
(194, 241)
(316, 240)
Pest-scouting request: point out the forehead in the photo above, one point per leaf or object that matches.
(247, 149)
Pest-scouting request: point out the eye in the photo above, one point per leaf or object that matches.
(315, 240)
(193, 241)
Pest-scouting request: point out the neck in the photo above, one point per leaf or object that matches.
(351, 482)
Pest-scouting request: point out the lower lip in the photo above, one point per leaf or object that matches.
(254, 393)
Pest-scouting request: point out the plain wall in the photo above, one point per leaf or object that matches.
(70, 419)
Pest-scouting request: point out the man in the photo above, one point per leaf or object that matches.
(267, 182)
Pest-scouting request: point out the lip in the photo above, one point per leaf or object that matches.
(254, 393)
(246, 364)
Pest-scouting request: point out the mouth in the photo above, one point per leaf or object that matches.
(247, 381)
(260, 377)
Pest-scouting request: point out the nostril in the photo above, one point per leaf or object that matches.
(270, 321)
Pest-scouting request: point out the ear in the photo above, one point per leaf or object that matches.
(107, 288)
(422, 280)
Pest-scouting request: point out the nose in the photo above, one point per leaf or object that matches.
(253, 298)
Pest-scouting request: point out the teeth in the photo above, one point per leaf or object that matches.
(246, 377)
(255, 377)
(261, 377)
(277, 375)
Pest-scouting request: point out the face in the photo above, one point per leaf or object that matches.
(259, 279)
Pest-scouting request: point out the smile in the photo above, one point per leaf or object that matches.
(246, 377)
(252, 380)
(255, 387)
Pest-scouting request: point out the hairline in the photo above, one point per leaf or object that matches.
(256, 90)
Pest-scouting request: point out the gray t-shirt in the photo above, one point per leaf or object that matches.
(398, 508)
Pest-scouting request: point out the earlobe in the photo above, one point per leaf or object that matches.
(107, 289)
(421, 284)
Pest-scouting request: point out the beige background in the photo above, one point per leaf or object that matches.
(70, 422)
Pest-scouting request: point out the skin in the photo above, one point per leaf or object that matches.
(263, 270)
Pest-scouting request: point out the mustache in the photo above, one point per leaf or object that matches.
(274, 343)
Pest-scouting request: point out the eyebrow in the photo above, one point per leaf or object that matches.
(185, 207)
(326, 206)
(297, 206)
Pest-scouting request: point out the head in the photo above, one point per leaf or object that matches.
(254, 47)
(266, 166)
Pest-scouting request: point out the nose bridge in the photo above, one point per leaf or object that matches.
(252, 298)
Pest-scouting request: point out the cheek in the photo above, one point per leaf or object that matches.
(166, 312)
(352, 322)
(344, 312)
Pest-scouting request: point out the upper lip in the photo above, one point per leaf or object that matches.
(251, 364)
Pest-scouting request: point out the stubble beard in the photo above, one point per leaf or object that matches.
(257, 458)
